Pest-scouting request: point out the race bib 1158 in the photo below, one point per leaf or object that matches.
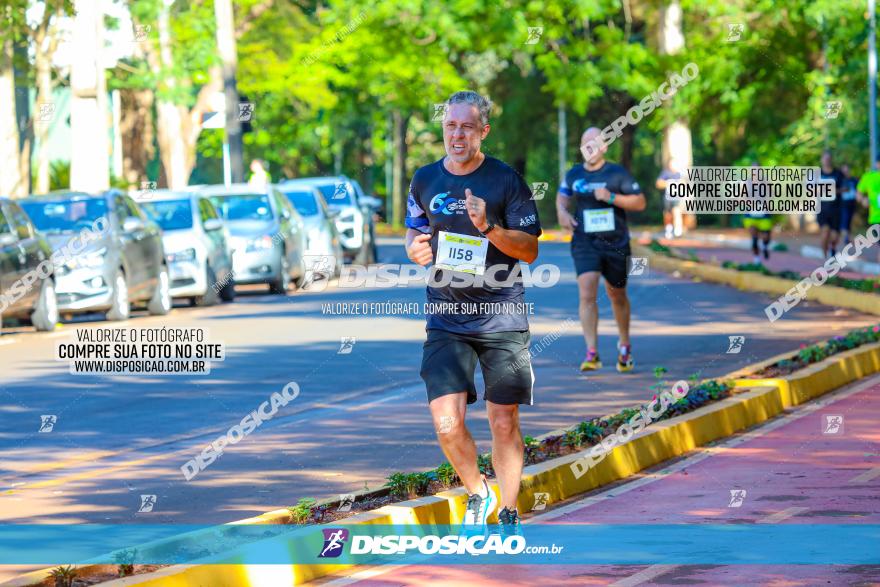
(461, 252)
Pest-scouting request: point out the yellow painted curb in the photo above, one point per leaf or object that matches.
(827, 294)
(815, 380)
(560, 478)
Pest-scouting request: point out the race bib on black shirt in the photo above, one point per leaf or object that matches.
(436, 203)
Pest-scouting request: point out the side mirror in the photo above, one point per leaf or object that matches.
(7, 238)
(213, 224)
(132, 224)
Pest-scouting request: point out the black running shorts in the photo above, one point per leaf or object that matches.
(449, 361)
(611, 262)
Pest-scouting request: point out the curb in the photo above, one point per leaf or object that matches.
(760, 400)
(827, 294)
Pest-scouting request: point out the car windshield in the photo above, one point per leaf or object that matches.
(57, 216)
(336, 194)
(244, 206)
(170, 214)
(304, 202)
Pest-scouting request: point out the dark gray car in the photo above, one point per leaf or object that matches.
(122, 262)
(27, 283)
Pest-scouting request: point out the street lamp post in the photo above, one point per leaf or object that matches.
(872, 83)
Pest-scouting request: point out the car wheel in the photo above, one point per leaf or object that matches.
(45, 315)
(227, 294)
(120, 308)
(282, 282)
(210, 298)
(160, 303)
(374, 249)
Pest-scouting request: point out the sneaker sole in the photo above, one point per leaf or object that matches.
(623, 369)
(591, 368)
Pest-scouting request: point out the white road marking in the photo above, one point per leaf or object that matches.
(783, 515)
(644, 576)
(866, 476)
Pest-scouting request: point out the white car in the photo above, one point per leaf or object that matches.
(196, 245)
(355, 213)
(322, 236)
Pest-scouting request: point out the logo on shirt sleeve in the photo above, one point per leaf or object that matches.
(528, 220)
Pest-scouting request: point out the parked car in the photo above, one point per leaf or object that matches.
(22, 250)
(196, 245)
(355, 219)
(266, 234)
(322, 236)
(123, 265)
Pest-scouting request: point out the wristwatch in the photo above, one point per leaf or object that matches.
(611, 199)
(488, 229)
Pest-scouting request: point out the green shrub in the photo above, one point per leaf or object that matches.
(302, 511)
(409, 485)
(63, 576)
(446, 475)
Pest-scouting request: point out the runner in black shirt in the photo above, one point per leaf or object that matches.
(472, 215)
(829, 211)
(603, 192)
(848, 198)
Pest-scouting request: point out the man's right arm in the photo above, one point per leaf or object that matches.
(418, 233)
(563, 201)
(418, 247)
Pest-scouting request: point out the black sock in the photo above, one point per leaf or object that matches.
(755, 245)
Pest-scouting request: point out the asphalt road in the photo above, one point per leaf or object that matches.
(359, 417)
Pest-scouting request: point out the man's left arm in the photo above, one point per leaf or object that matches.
(520, 239)
(627, 194)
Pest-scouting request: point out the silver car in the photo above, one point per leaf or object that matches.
(266, 234)
(122, 265)
(322, 236)
(355, 218)
(196, 245)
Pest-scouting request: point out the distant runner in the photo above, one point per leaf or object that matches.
(869, 195)
(759, 224)
(259, 174)
(472, 214)
(829, 211)
(602, 192)
(847, 203)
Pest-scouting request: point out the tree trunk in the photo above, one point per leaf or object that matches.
(136, 128)
(177, 127)
(10, 177)
(677, 135)
(401, 184)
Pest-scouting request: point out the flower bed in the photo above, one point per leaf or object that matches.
(867, 285)
(809, 354)
(403, 486)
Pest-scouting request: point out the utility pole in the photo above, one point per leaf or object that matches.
(233, 149)
(562, 141)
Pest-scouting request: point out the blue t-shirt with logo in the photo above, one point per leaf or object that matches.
(436, 203)
(582, 184)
